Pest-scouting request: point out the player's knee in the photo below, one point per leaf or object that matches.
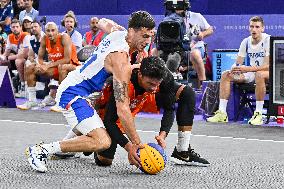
(259, 75)
(188, 96)
(100, 140)
(19, 62)
(30, 68)
(225, 75)
(103, 139)
(195, 54)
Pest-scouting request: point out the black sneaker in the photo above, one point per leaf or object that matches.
(99, 162)
(188, 158)
(87, 153)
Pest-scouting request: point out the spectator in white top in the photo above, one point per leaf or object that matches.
(70, 23)
(198, 28)
(17, 49)
(29, 11)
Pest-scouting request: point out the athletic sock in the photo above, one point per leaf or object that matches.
(69, 135)
(32, 93)
(183, 140)
(223, 105)
(259, 106)
(52, 148)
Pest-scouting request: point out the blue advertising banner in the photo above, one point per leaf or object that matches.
(229, 30)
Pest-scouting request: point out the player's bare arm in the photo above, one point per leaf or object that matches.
(118, 64)
(41, 50)
(31, 56)
(108, 26)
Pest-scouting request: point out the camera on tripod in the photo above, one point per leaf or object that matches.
(172, 40)
(171, 33)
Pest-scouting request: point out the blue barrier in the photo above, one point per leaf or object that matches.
(122, 7)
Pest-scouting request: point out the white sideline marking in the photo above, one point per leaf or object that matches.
(208, 136)
(224, 137)
(32, 122)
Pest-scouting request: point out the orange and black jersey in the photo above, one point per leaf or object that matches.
(165, 98)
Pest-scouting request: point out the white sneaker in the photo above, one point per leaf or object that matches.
(37, 156)
(256, 119)
(27, 105)
(47, 101)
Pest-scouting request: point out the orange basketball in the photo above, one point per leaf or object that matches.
(153, 158)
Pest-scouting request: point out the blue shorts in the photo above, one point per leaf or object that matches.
(82, 116)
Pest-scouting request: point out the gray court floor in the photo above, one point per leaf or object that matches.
(241, 156)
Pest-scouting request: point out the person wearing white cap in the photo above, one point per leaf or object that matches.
(27, 24)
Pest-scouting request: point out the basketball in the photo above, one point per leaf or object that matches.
(153, 158)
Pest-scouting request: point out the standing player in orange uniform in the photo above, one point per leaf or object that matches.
(62, 59)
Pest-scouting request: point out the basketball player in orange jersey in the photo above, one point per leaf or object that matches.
(62, 59)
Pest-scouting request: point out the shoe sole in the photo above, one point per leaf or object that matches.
(256, 124)
(217, 121)
(180, 162)
(54, 110)
(20, 108)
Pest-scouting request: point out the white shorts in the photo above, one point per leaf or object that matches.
(249, 77)
(81, 116)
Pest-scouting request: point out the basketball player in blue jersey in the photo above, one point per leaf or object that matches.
(110, 58)
(256, 49)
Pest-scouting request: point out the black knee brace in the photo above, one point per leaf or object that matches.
(186, 106)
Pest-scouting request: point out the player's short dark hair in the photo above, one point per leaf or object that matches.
(153, 67)
(141, 19)
(36, 21)
(257, 19)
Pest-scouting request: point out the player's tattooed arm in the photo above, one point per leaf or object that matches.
(120, 91)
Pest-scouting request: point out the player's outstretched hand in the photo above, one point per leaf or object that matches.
(133, 158)
(161, 141)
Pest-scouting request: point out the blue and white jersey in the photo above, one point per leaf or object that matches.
(255, 53)
(90, 77)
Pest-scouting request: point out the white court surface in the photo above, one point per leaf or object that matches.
(241, 156)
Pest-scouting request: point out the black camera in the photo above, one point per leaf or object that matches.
(171, 34)
(172, 5)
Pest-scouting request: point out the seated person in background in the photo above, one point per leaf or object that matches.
(62, 59)
(3, 39)
(29, 11)
(18, 6)
(37, 32)
(6, 15)
(95, 35)
(256, 47)
(27, 24)
(17, 49)
(198, 28)
(70, 23)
